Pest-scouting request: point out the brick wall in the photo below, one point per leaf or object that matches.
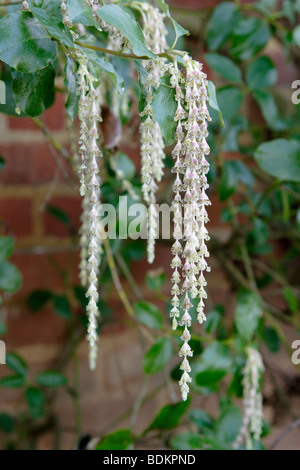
(27, 182)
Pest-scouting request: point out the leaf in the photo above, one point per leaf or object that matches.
(107, 67)
(6, 247)
(158, 356)
(228, 424)
(12, 381)
(148, 314)
(7, 423)
(247, 313)
(118, 440)
(270, 337)
(3, 328)
(229, 181)
(10, 277)
(280, 158)
(261, 73)
(213, 102)
(201, 419)
(250, 36)
(291, 299)
(221, 25)
(128, 26)
(214, 319)
(35, 400)
(224, 66)
(296, 35)
(269, 109)
(125, 165)
(230, 100)
(191, 441)
(2, 163)
(51, 378)
(155, 279)
(34, 92)
(59, 214)
(37, 299)
(48, 14)
(71, 85)
(169, 416)
(16, 363)
(212, 365)
(62, 306)
(179, 30)
(165, 106)
(24, 43)
(80, 14)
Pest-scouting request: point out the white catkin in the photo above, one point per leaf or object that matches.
(152, 142)
(253, 409)
(190, 201)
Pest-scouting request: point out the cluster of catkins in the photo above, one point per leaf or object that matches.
(253, 409)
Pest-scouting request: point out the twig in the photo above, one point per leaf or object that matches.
(134, 286)
(290, 428)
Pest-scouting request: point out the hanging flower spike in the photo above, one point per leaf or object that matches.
(191, 168)
(253, 412)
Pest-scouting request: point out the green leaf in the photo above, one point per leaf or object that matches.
(221, 25)
(12, 381)
(201, 419)
(62, 306)
(291, 299)
(128, 26)
(224, 66)
(191, 441)
(270, 337)
(296, 35)
(24, 43)
(269, 109)
(16, 363)
(169, 416)
(148, 314)
(47, 12)
(80, 14)
(71, 85)
(212, 365)
(7, 423)
(228, 424)
(214, 319)
(179, 30)
(125, 165)
(3, 328)
(155, 279)
(250, 36)
(10, 277)
(51, 378)
(38, 299)
(59, 214)
(165, 106)
(158, 356)
(280, 158)
(34, 92)
(118, 440)
(6, 247)
(213, 102)
(230, 100)
(2, 162)
(35, 400)
(108, 68)
(229, 181)
(261, 73)
(247, 313)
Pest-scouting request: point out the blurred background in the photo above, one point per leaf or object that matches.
(250, 50)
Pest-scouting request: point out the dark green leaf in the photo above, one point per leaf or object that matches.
(71, 85)
(38, 299)
(291, 299)
(148, 314)
(16, 363)
(280, 158)
(214, 319)
(35, 400)
(107, 67)
(201, 419)
(7, 423)
(155, 279)
(125, 165)
(51, 378)
(80, 14)
(250, 36)
(222, 22)
(191, 441)
(170, 416)
(6, 247)
(212, 365)
(118, 440)
(34, 92)
(179, 30)
(12, 381)
(247, 313)
(158, 356)
(59, 214)
(271, 338)
(230, 100)
(2, 163)
(228, 425)
(10, 277)
(48, 14)
(261, 73)
(213, 102)
(224, 66)
(24, 43)
(62, 306)
(269, 109)
(128, 26)
(229, 181)
(165, 106)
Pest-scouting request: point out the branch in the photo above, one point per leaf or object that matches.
(290, 428)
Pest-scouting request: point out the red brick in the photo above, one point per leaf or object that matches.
(52, 117)
(72, 206)
(17, 215)
(28, 164)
